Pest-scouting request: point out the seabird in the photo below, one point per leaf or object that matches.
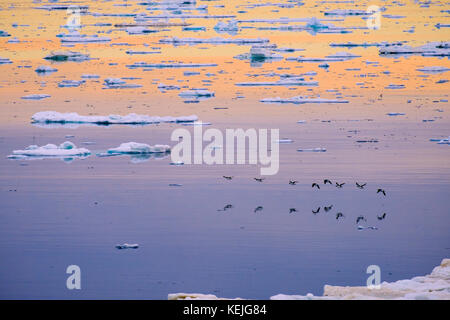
(382, 217)
(293, 182)
(317, 211)
(340, 185)
(315, 185)
(259, 208)
(360, 218)
(382, 191)
(339, 215)
(228, 177)
(361, 186)
(228, 206)
(259, 179)
(328, 208)
(326, 181)
(292, 210)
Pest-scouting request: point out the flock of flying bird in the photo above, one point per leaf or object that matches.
(326, 209)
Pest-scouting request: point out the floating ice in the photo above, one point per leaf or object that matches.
(90, 76)
(435, 69)
(394, 114)
(230, 27)
(45, 69)
(5, 61)
(435, 286)
(35, 96)
(66, 149)
(196, 93)
(444, 141)
(138, 148)
(170, 65)
(312, 150)
(284, 82)
(4, 34)
(395, 86)
(116, 83)
(132, 118)
(432, 49)
(302, 100)
(67, 56)
(70, 83)
(79, 38)
(218, 40)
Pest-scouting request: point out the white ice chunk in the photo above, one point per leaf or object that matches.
(135, 147)
(65, 149)
(132, 118)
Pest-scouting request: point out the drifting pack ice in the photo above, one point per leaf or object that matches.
(132, 118)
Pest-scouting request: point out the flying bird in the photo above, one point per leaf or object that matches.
(228, 206)
(293, 182)
(340, 185)
(228, 177)
(339, 215)
(259, 179)
(326, 181)
(317, 211)
(360, 218)
(361, 186)
(382, 191)
(259, 208)
(328, 208)
(315, 185)
(382, 217)
(292, 210)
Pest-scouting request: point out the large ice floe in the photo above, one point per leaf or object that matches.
(132, 118)
(64, 150)
(435, 286)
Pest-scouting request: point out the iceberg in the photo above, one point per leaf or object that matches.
(284, 82)
(66, 149)
(138, 148)
(132, 118)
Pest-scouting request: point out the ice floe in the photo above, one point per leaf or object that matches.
(35, 96)
(132, 118)
(434, 286)
(138, 148)
(45, 69)
(116, 83)
(67, 56)
(66, 149)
